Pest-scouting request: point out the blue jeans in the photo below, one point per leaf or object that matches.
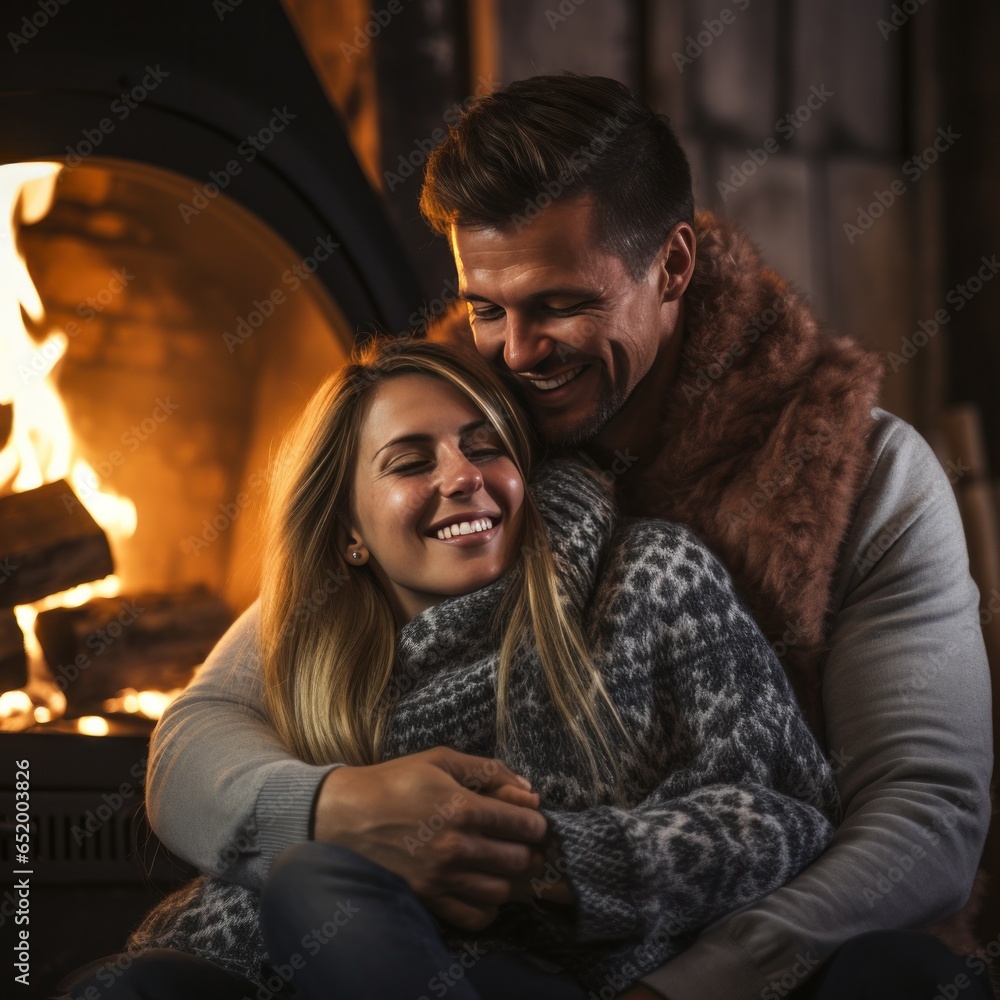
(338, 926)
(342, 926)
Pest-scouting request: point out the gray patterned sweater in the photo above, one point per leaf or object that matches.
(730, 799)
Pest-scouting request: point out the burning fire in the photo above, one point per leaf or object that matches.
(41, 448)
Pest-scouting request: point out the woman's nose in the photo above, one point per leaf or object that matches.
(460, 475)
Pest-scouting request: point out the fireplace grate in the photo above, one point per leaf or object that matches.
(80, 837)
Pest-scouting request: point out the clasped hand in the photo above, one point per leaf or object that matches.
(464, 832)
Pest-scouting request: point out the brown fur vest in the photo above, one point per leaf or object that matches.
(763, 445)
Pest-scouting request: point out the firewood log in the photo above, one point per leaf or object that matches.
(48, 543)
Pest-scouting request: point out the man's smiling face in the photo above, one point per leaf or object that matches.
(550, 307)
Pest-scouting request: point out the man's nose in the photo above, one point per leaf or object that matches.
(525, 344)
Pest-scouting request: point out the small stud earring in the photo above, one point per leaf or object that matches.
(355, 555)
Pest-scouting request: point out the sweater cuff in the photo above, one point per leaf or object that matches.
(285, 805)
(600, 869)
(715, 965)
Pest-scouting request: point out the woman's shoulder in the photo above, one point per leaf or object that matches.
(648, 549)
(578, 506)
(573, 480)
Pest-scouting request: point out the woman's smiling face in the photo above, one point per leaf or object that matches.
(427, 461)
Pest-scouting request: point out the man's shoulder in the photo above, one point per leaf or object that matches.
(904, 469)
(904, 480)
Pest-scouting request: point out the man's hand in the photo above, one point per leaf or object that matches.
(458, 828)
(639, 992)
(546, 877)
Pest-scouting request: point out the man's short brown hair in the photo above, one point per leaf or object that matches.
(512, 153)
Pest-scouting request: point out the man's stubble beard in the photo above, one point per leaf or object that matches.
(608, 406)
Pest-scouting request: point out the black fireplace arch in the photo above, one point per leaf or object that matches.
(199, 80)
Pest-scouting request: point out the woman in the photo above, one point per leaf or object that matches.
(501, 607)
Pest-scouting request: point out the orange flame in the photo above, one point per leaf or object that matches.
(41, 448)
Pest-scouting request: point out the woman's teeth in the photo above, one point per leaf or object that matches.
(465, 528)
(552, 383)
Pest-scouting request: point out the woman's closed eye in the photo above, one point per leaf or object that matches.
(411, 466)
(422, 464)
(486, 453)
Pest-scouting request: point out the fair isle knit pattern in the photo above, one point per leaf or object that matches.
(730, 797)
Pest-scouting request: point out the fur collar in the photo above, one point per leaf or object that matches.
(762, 444)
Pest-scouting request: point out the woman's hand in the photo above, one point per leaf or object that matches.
(459, 829)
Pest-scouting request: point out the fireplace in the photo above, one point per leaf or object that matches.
(204, 249)
(179, 356)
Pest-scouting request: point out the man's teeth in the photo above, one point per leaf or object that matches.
(552, 383)
(465, 528)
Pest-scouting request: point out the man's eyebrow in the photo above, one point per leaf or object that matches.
(544, 293)
(410, 438)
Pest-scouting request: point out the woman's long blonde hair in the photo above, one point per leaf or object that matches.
(327, 632)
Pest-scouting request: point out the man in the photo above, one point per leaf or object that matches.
(659, 344)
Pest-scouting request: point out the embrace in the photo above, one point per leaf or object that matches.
(585, 657)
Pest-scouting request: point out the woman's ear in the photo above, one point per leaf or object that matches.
(349, 543)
